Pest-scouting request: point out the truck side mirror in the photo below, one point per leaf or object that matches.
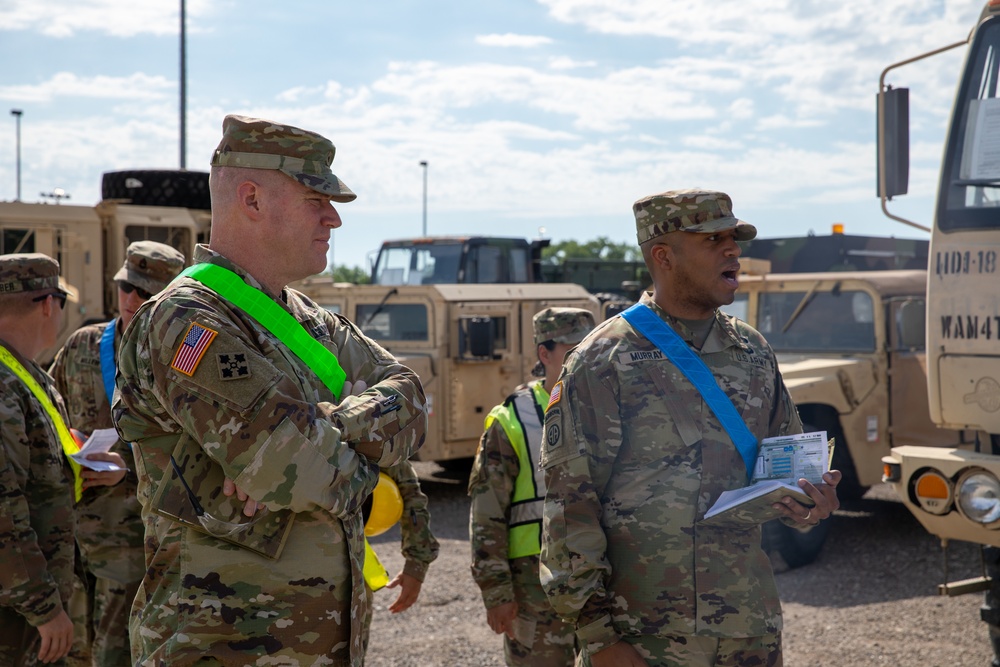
(476, 337)
(893, 142)
(911, 322)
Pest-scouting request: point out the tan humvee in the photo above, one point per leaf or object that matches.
(471, 344)
(850, 346)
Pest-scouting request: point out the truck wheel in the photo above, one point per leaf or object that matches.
(182, 189)
(796, 548)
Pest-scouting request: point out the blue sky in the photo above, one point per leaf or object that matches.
(553, 114)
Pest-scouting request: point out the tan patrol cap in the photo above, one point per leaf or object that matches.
(562, 325)
(30, 272)
(701, 211)
(150, 265)
(255, 143)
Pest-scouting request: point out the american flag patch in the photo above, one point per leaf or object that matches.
(196, 341)
(555, 395)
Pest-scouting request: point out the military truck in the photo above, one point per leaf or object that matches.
(850, 346)
(471, 344)
(90, 241)
(955, 493)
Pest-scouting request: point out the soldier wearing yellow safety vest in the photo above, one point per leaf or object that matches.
(507, 488)
(38, 482)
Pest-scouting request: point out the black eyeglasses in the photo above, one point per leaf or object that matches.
(128, 288)
(56, 295)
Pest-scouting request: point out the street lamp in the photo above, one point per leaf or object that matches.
(17, 113)
(423, 163)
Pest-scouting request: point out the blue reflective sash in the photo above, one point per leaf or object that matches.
(108, 366)
(648, 323)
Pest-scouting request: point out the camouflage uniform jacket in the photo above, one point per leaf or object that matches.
(419, 546)
(633, 458)
(261, 415)
(36, 513)
(109, 528)
(491, 486)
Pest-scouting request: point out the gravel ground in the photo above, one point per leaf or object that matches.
(870, 599)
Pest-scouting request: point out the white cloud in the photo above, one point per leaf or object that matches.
(512, 40)
(120, 18)
(66, 85)
(563, 63)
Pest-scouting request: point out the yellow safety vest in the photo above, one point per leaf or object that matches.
(521, 417)
(69, 444)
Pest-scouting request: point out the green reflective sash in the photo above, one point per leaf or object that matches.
(69, 444)
(289, 331)
(275, 319)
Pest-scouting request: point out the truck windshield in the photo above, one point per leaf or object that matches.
(831, 321)
(400, 321)
(970, 178)
(423, 264)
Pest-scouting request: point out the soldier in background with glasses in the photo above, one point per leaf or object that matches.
(37, 482)
(210, 391)
(109, 528)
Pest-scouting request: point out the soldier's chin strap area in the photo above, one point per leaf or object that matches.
(69, 443)
(642, 318)
(289, 331)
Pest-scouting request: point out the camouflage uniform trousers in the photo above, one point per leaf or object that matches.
(698, 651)
(111, 602)
(553, 641)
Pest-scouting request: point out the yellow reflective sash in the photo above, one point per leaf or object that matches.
(69, 445)
(375, 575)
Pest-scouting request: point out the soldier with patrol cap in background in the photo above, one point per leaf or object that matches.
(109, 528)
(507, 489)
(228, 378)
(634, 455)
(38, 484)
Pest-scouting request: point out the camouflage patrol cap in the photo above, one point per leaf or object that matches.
(255, 143)
(562, 325)
(29, 272)
(150, 265)
(702, 211)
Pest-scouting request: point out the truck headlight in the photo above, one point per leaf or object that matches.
(979, 497)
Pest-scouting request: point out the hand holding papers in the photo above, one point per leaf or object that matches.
(781, 461)
(100, 442)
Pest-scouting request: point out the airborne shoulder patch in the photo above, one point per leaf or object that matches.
(192, 348)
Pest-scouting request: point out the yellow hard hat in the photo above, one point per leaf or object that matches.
(383, 508)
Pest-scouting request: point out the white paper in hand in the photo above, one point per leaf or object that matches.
(100, 441)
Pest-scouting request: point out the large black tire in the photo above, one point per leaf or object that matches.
(796, 548)
(182, 189)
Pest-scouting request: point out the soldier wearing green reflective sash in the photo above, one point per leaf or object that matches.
(205, 385)
(507, 488)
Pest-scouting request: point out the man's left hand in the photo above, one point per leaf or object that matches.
(409, 590)
(824, 495)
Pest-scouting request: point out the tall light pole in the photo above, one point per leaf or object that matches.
(423, 163)
(183, 86)
(17, 113)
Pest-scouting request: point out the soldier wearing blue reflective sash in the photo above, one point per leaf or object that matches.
(634, 455)
(507, 489)
(109, 528)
